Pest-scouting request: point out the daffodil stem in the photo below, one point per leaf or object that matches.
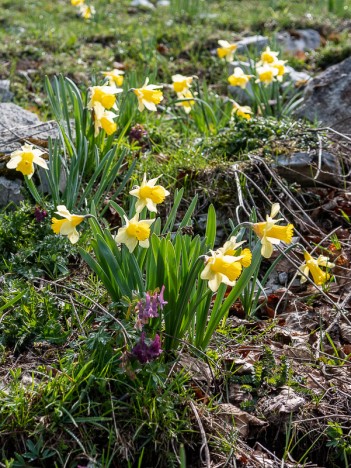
(33, 191)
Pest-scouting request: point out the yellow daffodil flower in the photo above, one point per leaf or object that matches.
(239, 78)
(149, 195)
(270, 234)
(134, 232)
(104, 95)
(226, 50)
(312, 266)
(231, 248)
(67, 226)
(77, 2)
(268, 56)
(104, 119)
(280, 66)
(115, 77)
(242, 111)
(23, 160)
(188, 103)
(221, 269)
(181, 83)
(148, 96)
(266, 74)
(86, 11)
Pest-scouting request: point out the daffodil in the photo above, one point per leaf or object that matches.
(226, 50)
(280, 66)
(268, 56)
(23, 160)
(231, 248)
(239, 78)
(67, 226)
(104, 119)
(266, 74)
(312, 266)
(134, 232)
(186, 101)
(221, 269)
(77, 2)
(149, 195)
(148, 96)
(86, 11)
(115, 77)
(181, 83)
(104, 95)
(242, 111)
(270, 234)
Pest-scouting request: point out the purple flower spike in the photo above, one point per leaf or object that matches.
(161, 300)
(145, 353)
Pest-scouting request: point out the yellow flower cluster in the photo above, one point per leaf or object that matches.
(85, 11)
(102, 100)
(181, 85)
(225, 264)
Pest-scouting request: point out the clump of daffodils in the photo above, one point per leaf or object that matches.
(102, 103)
(271, 234)
(313, 266)
(181, 85)
(225, 264)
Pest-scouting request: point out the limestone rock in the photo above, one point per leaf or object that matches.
(5, 93)
(252, 42)
(10, 191)
(299, 40)
(327, 98)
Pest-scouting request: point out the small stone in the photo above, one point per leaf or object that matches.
(299, 41)
(255, 42)
(163, 3)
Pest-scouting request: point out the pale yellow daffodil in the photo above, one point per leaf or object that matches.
(221, 269)
(226, 50)
(149, 195)
(86, 11)
(187, 102)
(134, 232)
(231, 247)
(23, 160)
(67, 226)
(115, 77)
(242, 111)
(104, 119)
(181, 83)
(266, 74)
(77, 2)
(280, 66)
(239, 78)
(105, 95)
(268, 56)
(312, 266)
(148, 96)
(270, 234)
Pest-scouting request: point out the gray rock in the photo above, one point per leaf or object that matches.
(327, 98)
(10, 191)
(5, 93)
(299, 41)
(303, 167)
(163, 3)
(145, 4)
(17, 124)
(252, 42)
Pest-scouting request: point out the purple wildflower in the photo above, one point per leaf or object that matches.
(145, 353)
(39, 214)
(161, 300)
